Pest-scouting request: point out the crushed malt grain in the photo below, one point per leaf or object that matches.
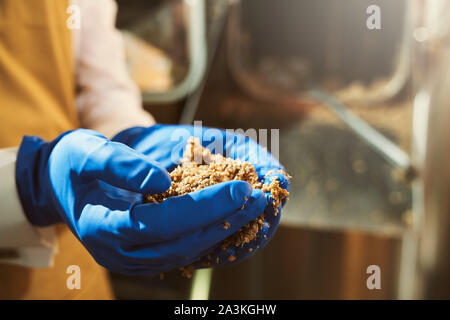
(199, 169)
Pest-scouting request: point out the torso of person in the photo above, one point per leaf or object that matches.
(37, 97)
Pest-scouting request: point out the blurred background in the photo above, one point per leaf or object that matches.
(364, 119)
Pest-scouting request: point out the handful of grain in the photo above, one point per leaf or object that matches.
(199, 169)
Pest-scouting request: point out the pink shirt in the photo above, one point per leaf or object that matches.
(107, 100)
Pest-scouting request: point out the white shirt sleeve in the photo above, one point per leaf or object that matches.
(20, 242)
(107, 100)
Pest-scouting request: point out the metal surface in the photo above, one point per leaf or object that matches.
(321, 42)
(348, 209)
(340, 185)
(339, 181)
(216, 28)
(197, 47)
(434, 258)
(386, 148)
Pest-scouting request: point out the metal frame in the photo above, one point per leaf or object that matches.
(197, 49)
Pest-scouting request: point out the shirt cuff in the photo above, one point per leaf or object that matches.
(117, 121)
(20, 242)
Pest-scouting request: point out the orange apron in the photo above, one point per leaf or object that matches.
(37, 97)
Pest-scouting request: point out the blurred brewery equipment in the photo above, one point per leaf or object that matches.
(364, 120)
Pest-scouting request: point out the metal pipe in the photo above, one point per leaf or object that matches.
(385, 147)
(196, 35)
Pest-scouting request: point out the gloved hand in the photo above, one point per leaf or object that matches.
(165, 144)
(81, 178)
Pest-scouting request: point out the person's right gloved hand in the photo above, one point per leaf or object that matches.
(80, 179)
(162, 143)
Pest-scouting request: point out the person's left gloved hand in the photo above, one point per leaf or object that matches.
(165, 144)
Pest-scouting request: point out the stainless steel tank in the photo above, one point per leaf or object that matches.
(434, 244)
(364, 120)
(367, 189)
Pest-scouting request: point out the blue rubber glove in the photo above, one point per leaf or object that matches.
(95, 186)
(165, 144)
